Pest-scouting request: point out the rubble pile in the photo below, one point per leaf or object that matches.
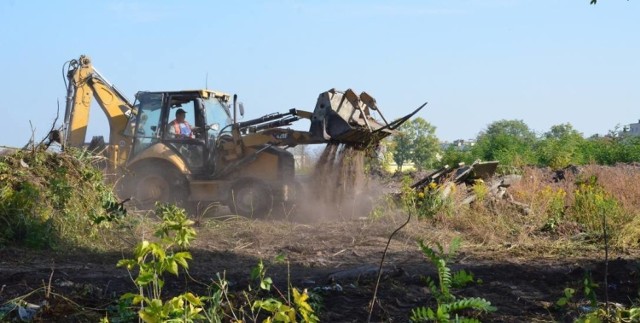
(444, 179)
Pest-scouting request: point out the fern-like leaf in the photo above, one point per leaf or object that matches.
(429, 253)
(454, 247)
(463, 319)
(444, 274)
(422, 314)
(461, 278)
(475, 303)
(431, 284)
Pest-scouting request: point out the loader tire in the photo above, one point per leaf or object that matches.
(148, 185)
(251, 198)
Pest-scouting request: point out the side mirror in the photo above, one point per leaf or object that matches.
(241, 109)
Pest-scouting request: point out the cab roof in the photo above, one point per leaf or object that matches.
(202, 93)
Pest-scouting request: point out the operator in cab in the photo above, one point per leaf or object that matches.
(179, 127)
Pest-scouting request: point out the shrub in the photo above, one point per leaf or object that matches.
(48, 200)
(591, 203)
(551, 203)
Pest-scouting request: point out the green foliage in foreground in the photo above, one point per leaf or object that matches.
(152, 260)
(589, 310)
(449, 308)
(52, 200)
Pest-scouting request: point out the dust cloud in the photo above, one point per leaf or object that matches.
(338, 188)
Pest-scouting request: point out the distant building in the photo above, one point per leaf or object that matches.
(634, 129)
(461, 144)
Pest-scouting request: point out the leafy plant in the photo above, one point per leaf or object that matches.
(121, 312)
(553, 206)
(285, 311)
(592, 202)
(215, 311)
(425, 203)
(590, 289)
(462, 278)
(448, 304)
(480, 190)
(594, 312)
(154, 259)
(259, 273)
(282, 309)
(566, 297)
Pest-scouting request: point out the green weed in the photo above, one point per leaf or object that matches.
(425, 203)
(282, 308)
(449, 307)
(591, 203)
(153, 259)
(49, 200)
(553, 207)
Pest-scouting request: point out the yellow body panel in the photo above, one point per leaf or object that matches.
(162, 152)
(264, 167)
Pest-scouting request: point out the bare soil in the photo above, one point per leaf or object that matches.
(336, 259)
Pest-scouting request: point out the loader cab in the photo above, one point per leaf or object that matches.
(206, 113)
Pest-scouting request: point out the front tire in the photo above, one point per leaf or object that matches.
(150, 184)
(251, 198)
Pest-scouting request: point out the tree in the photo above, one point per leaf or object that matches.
(508, 141)
(560, 147)
(453, 155)
(416, 142)
(401, 149)
(630, 146)
(616, 147)
(426, 146)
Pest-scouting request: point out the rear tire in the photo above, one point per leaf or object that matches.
(150, 184)
(251, 198)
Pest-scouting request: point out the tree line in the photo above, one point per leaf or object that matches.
(512, 143)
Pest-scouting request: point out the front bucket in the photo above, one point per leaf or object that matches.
(346, 118)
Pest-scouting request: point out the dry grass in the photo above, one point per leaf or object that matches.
(560, 213)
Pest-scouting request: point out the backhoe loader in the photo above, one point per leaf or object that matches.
(241, 164)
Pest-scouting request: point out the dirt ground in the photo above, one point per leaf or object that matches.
(337, 260)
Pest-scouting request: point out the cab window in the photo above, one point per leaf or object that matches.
(217, 117)
(190, 118)
(148, 122)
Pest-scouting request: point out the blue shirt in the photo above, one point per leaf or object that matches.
(185, 130)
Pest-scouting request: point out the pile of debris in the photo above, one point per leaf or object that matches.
(47, 198)
(446, 178)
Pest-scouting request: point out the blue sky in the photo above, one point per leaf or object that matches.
(475, 61)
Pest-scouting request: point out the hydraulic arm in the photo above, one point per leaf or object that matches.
(85, 84)
(339, 117)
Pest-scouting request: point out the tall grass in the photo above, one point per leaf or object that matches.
(558, 211)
